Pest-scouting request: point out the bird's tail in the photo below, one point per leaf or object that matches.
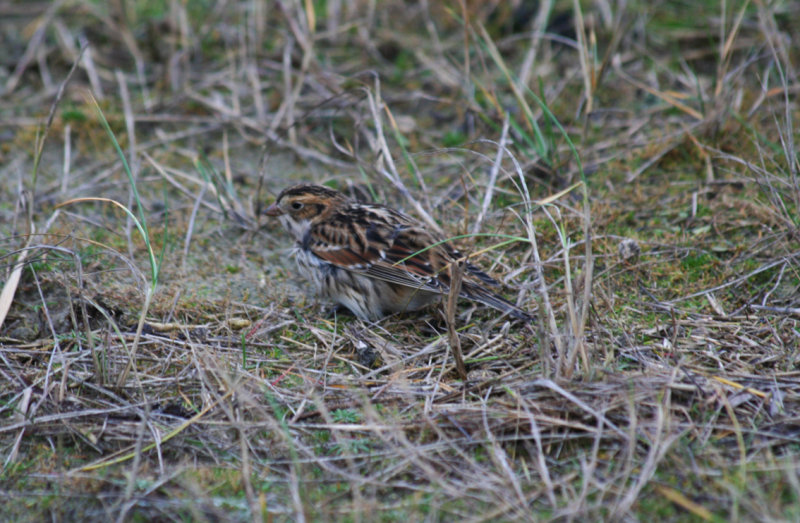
(475, 292)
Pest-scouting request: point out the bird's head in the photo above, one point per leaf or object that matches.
(301, 206)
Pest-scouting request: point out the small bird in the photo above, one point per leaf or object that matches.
(372, 259)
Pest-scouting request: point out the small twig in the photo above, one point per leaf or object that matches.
(190, 228)
(456, 275)
(487, 197)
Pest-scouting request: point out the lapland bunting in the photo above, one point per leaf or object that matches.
(372, 259)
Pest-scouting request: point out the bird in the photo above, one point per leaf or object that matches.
(375, 260)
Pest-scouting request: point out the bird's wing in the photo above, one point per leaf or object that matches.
(387, 245)
(383, 244)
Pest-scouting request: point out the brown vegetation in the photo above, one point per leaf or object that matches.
(628, 170)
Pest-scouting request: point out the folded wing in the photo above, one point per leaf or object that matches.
(384, 244)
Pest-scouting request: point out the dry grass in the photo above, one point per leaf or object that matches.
(175, 369)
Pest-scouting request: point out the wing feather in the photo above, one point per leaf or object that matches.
(386, 247)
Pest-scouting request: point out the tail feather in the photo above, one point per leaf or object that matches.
(473, 291)
(485, 278)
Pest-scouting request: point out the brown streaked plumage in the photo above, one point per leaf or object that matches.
(372, 259)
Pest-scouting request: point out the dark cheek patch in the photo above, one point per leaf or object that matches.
(308, 212)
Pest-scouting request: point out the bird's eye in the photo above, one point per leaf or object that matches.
(297, 206)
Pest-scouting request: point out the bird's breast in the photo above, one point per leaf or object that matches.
(313, 268)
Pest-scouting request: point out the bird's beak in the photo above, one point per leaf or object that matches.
(273, 210)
